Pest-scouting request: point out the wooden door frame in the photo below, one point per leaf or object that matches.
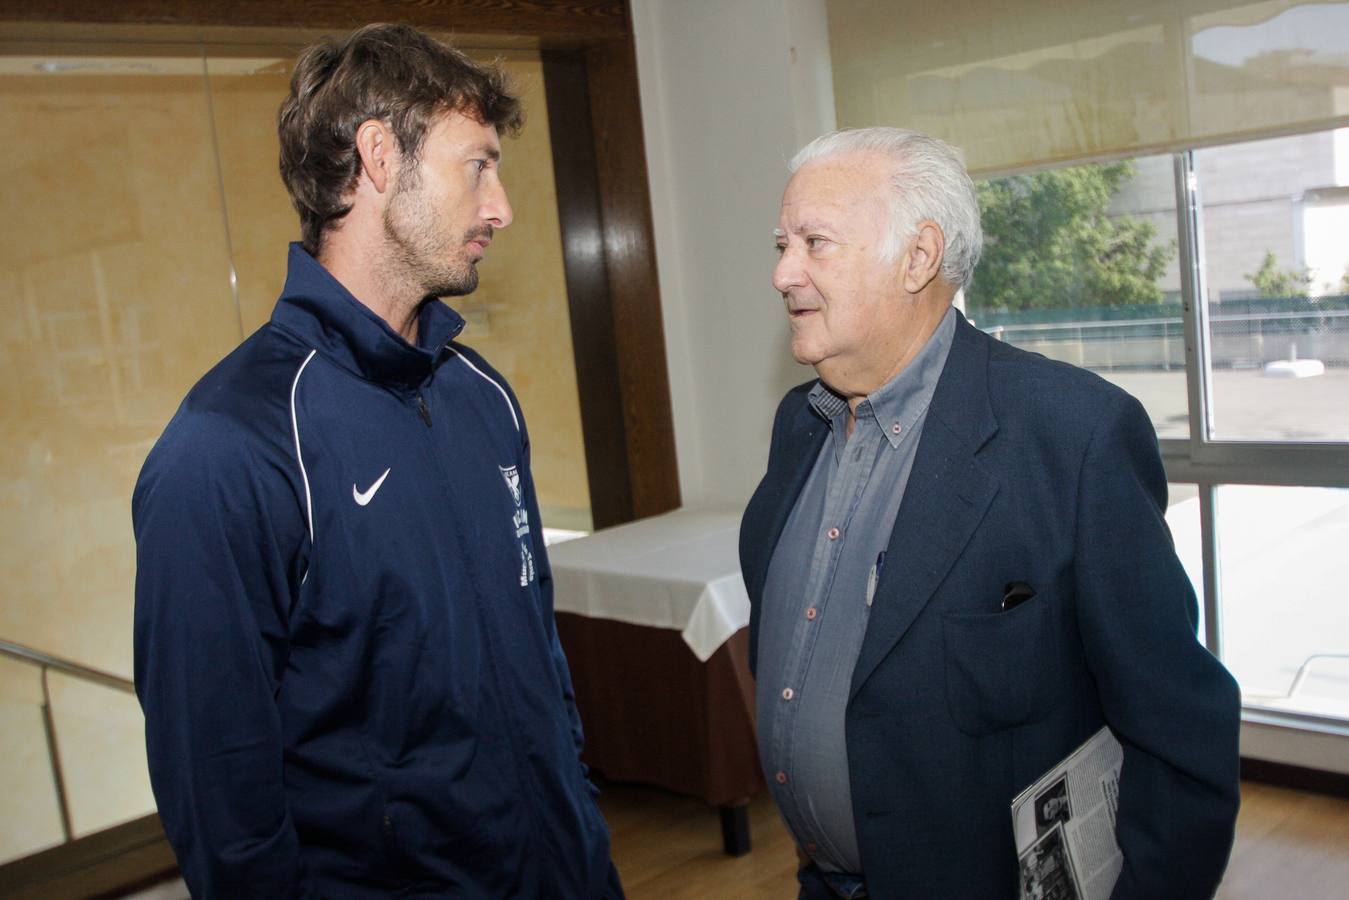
(599, 159)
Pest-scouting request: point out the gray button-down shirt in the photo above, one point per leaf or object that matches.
(818, 595)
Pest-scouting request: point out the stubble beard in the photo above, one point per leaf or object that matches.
(422, 254)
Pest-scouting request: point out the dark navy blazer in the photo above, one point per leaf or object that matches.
(1036, 471)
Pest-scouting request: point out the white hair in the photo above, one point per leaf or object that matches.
(929, 183)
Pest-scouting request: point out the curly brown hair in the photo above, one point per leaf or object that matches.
(393, 73)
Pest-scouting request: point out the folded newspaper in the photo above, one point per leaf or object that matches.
(1064, 825)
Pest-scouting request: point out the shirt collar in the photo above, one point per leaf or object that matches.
(317, 308)
(898, 404)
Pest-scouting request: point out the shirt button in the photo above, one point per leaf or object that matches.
(787, 694)
(896, 428)
(811, 613)
(833, 534)
(781, 778)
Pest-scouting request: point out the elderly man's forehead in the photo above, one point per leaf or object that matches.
(801, 226)
(815, 201)
(833, 180)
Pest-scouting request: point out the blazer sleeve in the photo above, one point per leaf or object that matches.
(1171, 704)
(217, 555)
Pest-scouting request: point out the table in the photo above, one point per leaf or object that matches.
(653, 618)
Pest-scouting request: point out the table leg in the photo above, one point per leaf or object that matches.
(735, 829)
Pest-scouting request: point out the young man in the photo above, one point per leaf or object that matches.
(345, 646)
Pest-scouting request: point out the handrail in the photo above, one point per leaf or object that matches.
(1306, 666)
(46, 662)
(65, 666)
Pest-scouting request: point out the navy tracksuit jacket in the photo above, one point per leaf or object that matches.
(345, 646)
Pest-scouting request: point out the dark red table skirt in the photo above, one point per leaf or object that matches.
(654, 714)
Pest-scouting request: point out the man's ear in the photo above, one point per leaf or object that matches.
(923, 262)
(378, 149)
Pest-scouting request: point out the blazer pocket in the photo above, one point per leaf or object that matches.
(999, 666)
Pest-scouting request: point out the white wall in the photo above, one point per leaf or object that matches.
(730, 90)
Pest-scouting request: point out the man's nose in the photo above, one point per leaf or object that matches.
(496, 208)
(788, 273)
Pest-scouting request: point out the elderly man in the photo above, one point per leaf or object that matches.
(345, 645)
(959, 566)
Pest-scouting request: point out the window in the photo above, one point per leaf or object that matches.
(1281, 567)
(1214, 286)
(1081, 264)
(1276, 264)
(1184, 519)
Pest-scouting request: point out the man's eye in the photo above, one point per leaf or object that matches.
(479, 165)
(815, 243)
(780, 248)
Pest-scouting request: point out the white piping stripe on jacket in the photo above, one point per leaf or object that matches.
(505, 396)
(295, 429)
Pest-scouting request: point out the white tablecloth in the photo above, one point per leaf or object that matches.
(679, 570)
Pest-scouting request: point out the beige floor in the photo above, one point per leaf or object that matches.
(1290, 844)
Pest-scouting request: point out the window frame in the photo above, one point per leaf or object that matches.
(1209, 463)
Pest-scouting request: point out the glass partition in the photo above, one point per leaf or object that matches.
(1281, 568)
(114, 287)
(100, 736)
(32, 819)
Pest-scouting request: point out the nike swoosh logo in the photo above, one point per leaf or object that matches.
(365, 496)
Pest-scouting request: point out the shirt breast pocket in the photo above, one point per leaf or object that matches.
(1001, 667)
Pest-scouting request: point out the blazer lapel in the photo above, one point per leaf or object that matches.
(801, 445)
(947, 494)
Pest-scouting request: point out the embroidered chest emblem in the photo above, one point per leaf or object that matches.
(512, 476)
(520, 523)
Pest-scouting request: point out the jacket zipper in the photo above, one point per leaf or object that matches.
(424, 410)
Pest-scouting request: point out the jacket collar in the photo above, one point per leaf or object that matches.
(315, 307)
(961, 400)
(895, 406)
(959, 420)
